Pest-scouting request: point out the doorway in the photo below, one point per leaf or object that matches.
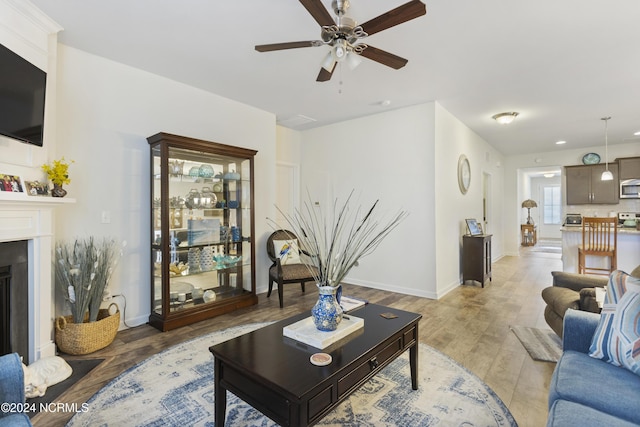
(544, 186)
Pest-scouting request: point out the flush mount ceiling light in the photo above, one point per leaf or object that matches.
(560, 142)
(505, 118)
(606, 175)
(549, 175)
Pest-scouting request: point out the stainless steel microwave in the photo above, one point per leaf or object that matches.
(630, 189)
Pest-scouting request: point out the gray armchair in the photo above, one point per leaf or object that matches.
(12, 391)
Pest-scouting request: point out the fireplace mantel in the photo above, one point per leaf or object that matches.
(24, 217)
(9, 198)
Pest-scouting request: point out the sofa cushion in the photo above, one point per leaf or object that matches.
(617, 338)
(564, 413)
(626, 329)
(582, 379)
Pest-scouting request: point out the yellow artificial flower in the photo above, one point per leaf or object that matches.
(58, 171)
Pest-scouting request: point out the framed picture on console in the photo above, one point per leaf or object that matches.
(474, 228)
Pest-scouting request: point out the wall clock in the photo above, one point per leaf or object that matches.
(464, 174)
(591, 159)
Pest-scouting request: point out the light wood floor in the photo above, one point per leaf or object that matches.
(470, 324)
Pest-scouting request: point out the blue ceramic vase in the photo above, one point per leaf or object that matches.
(327, 313)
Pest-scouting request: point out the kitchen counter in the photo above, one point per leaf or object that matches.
(621, 230)
(628, 249)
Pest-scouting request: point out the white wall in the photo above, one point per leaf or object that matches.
(288, 145)
(390, 157)
(106, 111)
(516, 190)
(407, 158)
(454, 138)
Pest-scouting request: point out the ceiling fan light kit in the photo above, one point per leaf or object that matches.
(343, 34)
(505, 118)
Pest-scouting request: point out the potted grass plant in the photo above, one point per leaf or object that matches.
(83, 268)
(335, 243)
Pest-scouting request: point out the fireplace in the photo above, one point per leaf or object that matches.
(14, 298)
(27, 222)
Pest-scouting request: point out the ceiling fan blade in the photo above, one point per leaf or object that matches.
(288, 45)
(319, 12)
(404, 13)
(324, 75)
(383, 57)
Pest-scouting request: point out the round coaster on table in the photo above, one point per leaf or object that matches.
(320, 359)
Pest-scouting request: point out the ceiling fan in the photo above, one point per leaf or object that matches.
(343, 35)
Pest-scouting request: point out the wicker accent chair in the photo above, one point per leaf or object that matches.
(285, 273)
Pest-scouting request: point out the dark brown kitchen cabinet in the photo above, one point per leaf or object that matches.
(202, 230)
(584, 185)
(476, 258)
(629, 167)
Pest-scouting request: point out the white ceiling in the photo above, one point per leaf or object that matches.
(562, 64)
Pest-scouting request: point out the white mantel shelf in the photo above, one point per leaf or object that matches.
(16, 199)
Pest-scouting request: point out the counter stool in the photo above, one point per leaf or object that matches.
(599, 238)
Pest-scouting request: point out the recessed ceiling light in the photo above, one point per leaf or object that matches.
(637, 133)
(505, 118)
(549, 175)
(560, 142)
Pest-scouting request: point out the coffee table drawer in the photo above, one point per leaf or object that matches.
(268, 402)
(378, 358)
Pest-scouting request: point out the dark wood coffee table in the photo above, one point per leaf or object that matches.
(273, 373)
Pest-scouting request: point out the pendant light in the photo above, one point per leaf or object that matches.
(606, 175)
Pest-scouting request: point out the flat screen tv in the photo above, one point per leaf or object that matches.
(22, 92)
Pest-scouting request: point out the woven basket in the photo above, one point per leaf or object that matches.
(84, 338)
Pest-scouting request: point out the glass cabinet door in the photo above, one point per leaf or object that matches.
(202, 243)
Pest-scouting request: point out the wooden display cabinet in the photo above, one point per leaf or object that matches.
(202, 230)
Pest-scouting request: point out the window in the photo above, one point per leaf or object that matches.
(551, 204)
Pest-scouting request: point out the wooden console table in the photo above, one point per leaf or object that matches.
(529, 234)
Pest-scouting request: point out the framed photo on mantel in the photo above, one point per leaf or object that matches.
(474, 228)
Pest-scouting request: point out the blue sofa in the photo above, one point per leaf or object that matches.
(590, 392)
(12, 392)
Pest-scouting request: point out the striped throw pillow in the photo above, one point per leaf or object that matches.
(617, 337)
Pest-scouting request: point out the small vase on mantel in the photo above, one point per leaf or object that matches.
(327, 313)
(58, 191)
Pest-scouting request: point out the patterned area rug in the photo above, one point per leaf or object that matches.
(541, 344)
(175, 388)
